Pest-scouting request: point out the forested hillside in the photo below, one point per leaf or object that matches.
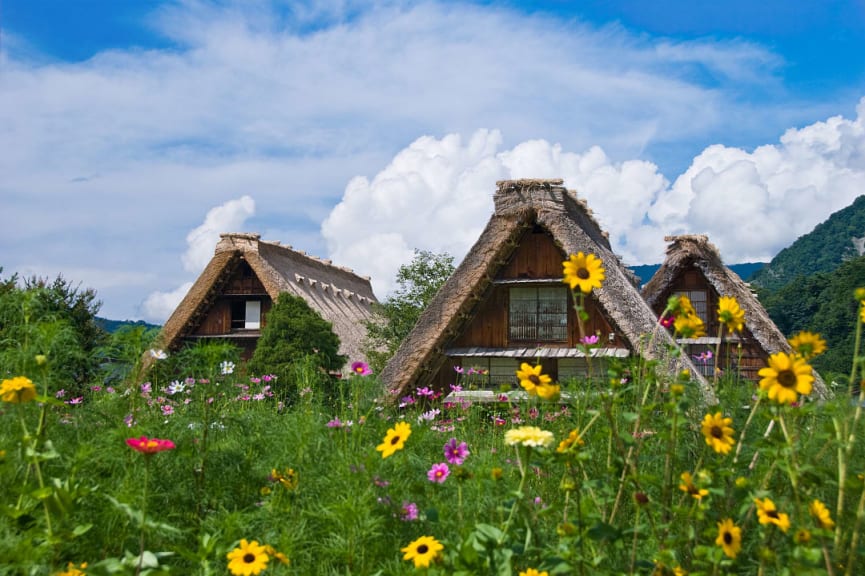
(841, 237)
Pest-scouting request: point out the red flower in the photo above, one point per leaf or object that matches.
(147, 445)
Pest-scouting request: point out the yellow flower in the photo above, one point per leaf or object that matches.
(571, 443)
(282, 558)
(730, 314)
(247, 559)
(17, 390)
(72, 570)
(422, 551)
(688, 487)
(729, 538)
(680, 305)
(530, 378)
(820, 513)
(718, 432)
(786, 377)
(395, 439)
(533, 572)
(802, 536)
(807, 344)
(583, 271)
(548, 391)
(496, 473)
(288, 480)
(689, 326)
(528, 436)
(768, 514)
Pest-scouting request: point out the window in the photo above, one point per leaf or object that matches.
(246, 315)
(698, 299)
(538, 314)
(703, 359)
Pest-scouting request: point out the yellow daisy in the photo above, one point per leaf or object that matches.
(729, 537)
(583, 271)
(820, 513)
(73, 570)
(247, 559)
(529, 436)
(394, 439)
(730, 314)
(767, 513)
(533, 572)
(422, 551)
(807, 344)
(530, 378)
(548, 391)
(718, 432)
(689, 326)
(786, 377)
(689, 487)
(17, 390)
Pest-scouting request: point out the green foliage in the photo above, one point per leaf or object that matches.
(821, 250)
(417, 282)
(293, 332)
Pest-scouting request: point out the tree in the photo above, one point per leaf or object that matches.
(293, 332)
(417, 283)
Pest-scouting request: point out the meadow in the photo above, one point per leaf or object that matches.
(195, 467)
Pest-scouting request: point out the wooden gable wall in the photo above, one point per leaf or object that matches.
(242, 285)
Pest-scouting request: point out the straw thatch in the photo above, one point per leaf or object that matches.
(341, 297)
(522, 204)
(694, 251)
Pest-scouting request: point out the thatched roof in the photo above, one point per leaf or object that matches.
(695, 251)
(341, 297)
(521, 204)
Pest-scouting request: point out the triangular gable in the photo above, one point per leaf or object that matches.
(694, 252)
(521, 205)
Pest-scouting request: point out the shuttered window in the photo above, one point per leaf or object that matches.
(698, 300)
(538, 314)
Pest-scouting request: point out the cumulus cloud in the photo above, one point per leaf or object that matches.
(437, 195)
(228, 217)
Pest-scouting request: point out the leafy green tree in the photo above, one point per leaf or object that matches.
(294, 331)
(417, 283)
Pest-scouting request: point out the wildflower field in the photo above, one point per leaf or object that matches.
(203, 469)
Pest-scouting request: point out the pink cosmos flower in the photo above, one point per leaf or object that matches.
(589, 340)
(167, 409)
(456, 388)
(425, 391)
(455, 453)
(438, 473)
(360, 369)
(458, 369)
(409, 511)
(667, 321)
(147, 445)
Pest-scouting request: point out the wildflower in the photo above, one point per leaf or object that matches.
(60, 393)
(129, 420)
(226, 367)
(425, 392)
(704, 357)
(75, 401)
(689, 326)
(394, 439)
(820, 513)
(289, 479)
(456, 453)
(583, 271)
(176, 387)
(530, 378)
(528, 436)
(247, 559)
(167, 409)
(147, 445)
(438, 473)
(336, 423)
(571, 443)
(73, 570)
(641, 498)
(459, 369)
(456, 388)
(429, 415)
(17, 390)
(146, 387)
(688, 486)
(360, 369)
(409, 511)
(41, 359)
(729, 538)
(496, 473)
(271, 551)
(807, 344)
(422, 551)
(666, 321)
(802, 536)
(718, 432)
(158, 354)
(786, 377)
(548, 391)
(589, 340)
(533, 572)
(768, 514)
(730, 314)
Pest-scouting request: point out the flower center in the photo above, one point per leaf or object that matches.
(728, 538)
(422, 549)
(534, 379)
(394, 440)
(787, 378)
(583, 274)
(717, 432)
(772, 514)
(249, 558)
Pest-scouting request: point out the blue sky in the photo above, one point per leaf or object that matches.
(132, 133)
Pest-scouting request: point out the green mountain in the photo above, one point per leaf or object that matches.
(115, 325)
(840, 238)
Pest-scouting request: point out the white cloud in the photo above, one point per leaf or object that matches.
(159, 305)
(436, 195)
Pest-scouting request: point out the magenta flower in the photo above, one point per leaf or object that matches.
(667, 321)
(455, 453)
(438, 473)
(409, 511)
(360, 368)
(147, 445)
(425, 391)
(589, 340)
(458, 369)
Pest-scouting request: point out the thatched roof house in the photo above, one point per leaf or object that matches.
(506, 302)
(231, 298)
(693, 267)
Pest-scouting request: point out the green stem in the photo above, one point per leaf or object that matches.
(143, 515)
(854, 539)
(523, 475)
